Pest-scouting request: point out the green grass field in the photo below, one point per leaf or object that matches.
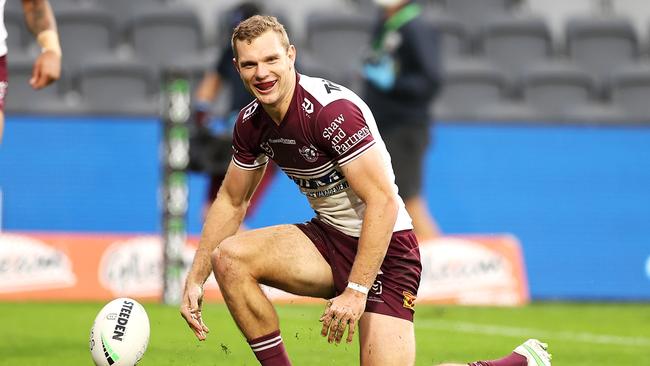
(34, 334)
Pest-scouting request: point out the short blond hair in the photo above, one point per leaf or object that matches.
(255, 26)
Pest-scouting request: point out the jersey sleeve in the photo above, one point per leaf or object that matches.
(342, 131)
(245, 153)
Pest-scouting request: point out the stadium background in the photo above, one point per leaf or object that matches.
(567, 176)
(557, 155)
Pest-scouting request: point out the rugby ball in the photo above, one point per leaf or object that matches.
(120, 333)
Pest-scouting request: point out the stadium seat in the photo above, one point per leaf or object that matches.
(553, 88)
(630, 90)
(117, 87)
(22, 98)
(336, 43)
(515, 43)
(85, 33)
(473, 13)
(168, 37)
(468, 86)
(124, 9)
(600, 44)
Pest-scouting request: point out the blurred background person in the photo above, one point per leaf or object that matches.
(47, 67)
(211, 147)
(401, 80)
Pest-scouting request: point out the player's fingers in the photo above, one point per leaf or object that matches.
(326, 312)
(202, 323)
(194, 322)
(36, 76)
(352, 325)
(334, 328)
(327, 320)
(199, 331)
(191, 319)
(340, 330)
(196, 326)
(204, 327)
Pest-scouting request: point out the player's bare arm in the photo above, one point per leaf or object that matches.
(224, 218)
(41, 22)
(368, 178)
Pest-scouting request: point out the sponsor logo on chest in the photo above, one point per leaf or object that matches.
(342, 141)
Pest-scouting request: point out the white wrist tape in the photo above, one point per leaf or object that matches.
(49, 41)
(357, 287)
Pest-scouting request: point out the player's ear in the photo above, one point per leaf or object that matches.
(234, 63)
(291, 53)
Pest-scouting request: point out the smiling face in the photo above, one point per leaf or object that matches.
(266, 66)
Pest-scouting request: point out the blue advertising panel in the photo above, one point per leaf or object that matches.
(576, 197)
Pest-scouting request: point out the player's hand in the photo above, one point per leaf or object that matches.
(342, 312)
(46, 70)
(191, 310)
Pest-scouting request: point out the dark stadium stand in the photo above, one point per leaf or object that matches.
(20, 38)
(469, 85)
(630, 90)
(474, 13)
(171, 36)
(116, 87)
(86, 33)
(599, 60)
(337, 42)
(553, 88)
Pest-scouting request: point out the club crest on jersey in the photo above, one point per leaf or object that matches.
(309, 153)
(409, 300)
(267, 149)
(308, 106)
(250, 110)
(3, 89)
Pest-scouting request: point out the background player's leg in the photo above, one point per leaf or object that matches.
(425, 227)
(386, 340)
(2, 123)
(279, 256)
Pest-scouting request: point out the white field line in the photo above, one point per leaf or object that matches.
(543, 335)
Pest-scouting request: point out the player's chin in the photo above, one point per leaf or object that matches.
(266, 98)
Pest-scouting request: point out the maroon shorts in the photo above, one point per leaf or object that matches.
(396, 286)
(3, 81)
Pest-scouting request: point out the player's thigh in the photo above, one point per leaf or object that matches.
(282, 257)
(386, 340)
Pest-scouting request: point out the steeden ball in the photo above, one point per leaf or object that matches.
(120, 333)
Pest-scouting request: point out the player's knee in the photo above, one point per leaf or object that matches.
(226, 257)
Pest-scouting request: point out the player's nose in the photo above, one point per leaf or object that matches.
(262, 71)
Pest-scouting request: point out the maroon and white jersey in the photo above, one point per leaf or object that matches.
(3, 29)
(326, 127)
